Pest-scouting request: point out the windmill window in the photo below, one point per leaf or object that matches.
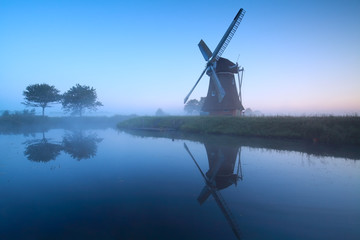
(213, 93)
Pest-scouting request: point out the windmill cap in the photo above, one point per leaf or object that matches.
(225, 65)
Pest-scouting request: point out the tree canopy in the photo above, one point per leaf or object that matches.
(41, 95)
(79, 98)
(194, 106)
(160, 112)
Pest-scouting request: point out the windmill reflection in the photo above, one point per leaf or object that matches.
(80, 146)
(42, 150)
(222, 162)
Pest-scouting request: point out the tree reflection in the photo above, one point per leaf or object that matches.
(80, 146)
(222, 163)
(42, 150)
(77, 145)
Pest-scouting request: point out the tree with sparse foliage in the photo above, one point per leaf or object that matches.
(79, 98)
(193, 106)
(41, 95)
(160, 112)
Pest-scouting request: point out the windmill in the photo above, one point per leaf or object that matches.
(222, 97)
(222, 161)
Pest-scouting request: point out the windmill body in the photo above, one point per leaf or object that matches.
(231, 103)
(222, 97)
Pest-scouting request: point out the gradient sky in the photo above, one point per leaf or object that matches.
(300, 56)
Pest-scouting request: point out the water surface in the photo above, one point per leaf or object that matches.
(103, 184)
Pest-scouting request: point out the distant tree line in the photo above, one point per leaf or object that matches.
(76, 100)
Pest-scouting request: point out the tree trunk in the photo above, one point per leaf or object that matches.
(43, 110)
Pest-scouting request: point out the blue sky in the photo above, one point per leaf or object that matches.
(300, 57)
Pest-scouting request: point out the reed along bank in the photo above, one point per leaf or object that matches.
(318, 129)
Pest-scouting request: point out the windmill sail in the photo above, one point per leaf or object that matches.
(187, 96)
(225, 40)
(206, 52)
(204, 195)
(219, 89)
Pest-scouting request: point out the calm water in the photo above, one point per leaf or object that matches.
(102, 184)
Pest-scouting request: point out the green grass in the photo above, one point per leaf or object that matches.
(327, 129)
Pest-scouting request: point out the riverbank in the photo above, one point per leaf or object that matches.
(327, 129)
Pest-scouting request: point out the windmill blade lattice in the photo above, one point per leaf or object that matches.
(231, 34)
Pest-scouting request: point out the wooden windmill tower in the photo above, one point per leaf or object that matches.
(223, 97)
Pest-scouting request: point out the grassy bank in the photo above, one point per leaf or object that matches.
(347, 151)
(328, 129)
